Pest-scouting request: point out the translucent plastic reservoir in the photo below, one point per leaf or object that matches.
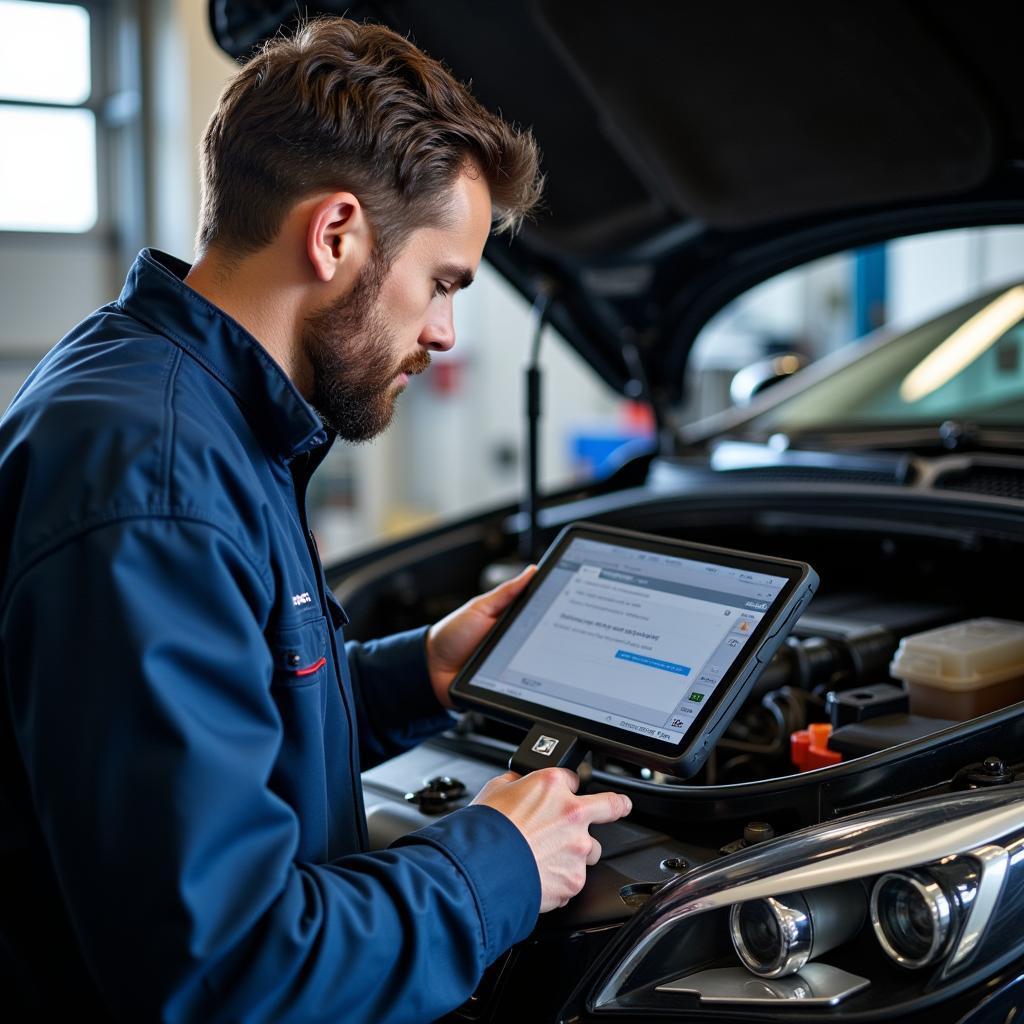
(962, 670)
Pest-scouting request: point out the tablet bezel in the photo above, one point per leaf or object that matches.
(690, 751)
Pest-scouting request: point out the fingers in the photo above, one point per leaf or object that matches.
(520, 581)
(595, 853)
(602, 808)
(491, 785)
(495, 601)
(572, 780)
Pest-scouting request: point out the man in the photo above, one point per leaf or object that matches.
(182, 729)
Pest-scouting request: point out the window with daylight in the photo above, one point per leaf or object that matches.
(48, 148)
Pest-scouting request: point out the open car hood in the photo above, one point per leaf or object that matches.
(693, 150)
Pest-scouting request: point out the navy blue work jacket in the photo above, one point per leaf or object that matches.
(181, 733)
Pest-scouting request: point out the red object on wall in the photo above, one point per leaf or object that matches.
(808, 748)
(639, 416)
(446, 376)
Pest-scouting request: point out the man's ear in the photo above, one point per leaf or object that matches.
(337, 236)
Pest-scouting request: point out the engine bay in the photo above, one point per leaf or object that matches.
(886, 574)
(891, 567)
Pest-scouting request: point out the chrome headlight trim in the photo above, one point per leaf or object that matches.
(794, 928)
(860, 846)
(993, 864)
(939, 910)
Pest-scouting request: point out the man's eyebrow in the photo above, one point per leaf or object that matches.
(460, 276)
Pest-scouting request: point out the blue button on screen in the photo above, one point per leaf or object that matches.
(665, 666)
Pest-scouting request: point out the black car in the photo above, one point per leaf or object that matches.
(692, 152)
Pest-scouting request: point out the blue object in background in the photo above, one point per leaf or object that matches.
(597, 455)
(870, 293)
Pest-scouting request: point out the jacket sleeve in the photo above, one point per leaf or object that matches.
(395, 703)
(139, 681)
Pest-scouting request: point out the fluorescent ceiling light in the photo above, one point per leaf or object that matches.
(970, 340)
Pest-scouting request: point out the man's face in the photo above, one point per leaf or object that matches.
(364, 346)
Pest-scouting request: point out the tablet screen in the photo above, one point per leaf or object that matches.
(629, 639)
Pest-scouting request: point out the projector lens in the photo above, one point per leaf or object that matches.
(772, 936)
(778, 935)
(912, 917)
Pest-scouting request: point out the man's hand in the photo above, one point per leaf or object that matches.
(452, 640)
(555, 821)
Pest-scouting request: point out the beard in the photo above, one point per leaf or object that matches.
(350, 349)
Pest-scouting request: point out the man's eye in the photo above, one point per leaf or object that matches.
(442, 289)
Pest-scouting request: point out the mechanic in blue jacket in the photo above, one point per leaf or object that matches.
(183, 725)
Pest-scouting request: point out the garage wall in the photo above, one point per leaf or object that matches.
(49, 283)
(188, 71)
(934, 272)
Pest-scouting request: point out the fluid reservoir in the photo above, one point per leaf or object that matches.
(962, 670)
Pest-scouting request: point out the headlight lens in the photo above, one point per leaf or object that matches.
(772, 937)
(912, 917)
(776, 936)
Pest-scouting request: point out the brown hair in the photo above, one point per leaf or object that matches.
(346, 105)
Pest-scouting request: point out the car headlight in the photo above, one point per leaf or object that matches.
(912, 917)
(776, 936)
(894, 909)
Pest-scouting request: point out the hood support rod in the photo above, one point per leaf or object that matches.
(528, 547)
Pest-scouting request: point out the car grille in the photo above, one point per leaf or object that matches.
(994, 481)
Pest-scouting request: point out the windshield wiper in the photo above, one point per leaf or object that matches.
(949, 436)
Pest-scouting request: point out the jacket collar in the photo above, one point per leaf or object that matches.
(155, 293)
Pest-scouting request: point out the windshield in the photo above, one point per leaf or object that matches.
(964, 364)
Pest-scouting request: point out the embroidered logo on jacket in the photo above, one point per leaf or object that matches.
(301, 599)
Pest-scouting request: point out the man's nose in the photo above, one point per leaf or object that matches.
(438, 334)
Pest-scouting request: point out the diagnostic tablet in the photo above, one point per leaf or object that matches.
(633, 644)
